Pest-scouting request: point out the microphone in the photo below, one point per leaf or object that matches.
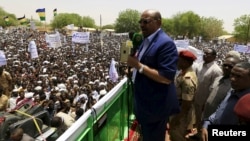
(136, 39)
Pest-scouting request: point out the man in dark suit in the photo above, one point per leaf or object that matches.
(225, 114)
(154, 68)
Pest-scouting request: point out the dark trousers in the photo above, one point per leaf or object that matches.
(154, 131)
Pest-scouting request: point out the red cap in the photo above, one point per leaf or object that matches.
(242, 108)
(187, 55)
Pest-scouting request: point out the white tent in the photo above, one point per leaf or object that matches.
(225, 37)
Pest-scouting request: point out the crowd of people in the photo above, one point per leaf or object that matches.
(68, 80)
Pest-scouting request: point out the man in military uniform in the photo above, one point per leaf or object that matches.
(186, 84)
(3, 101)
(6, 81)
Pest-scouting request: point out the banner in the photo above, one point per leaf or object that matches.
(53, 40)
(32, 25)
(70, 27)
(181, 43)
(242, 48)
(80, 37)
(113, 75)
(2, 58)
(33, 50)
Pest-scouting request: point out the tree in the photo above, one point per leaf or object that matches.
(168, 26)
(108, 26)
(2, 15)
(127, 21)
(37, 22)
(64, 19)
(12, 21)
(186, 24)
(211, 28)
(88, 22)
(242, 28)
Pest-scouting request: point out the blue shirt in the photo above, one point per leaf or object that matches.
(224, 115)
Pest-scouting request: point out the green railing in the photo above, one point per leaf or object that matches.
(107, 120)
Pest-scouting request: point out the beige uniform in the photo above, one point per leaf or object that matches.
(6, 83)
(3, 102)
(186, 85)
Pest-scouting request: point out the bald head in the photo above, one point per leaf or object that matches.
(150, 22)
(153, 13)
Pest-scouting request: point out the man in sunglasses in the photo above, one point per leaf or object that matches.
(155, 66)
(224, 114)
(220, 87)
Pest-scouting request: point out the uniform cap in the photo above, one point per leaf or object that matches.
(242, 108)
(187, 55)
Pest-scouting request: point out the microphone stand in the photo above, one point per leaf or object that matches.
(130, 83)
(136, 39)
(132, 54)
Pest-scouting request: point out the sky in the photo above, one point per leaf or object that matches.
(226, 10)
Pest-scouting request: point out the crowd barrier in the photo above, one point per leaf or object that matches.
(108, 120)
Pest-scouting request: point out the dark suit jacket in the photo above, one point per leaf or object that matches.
(156, 101)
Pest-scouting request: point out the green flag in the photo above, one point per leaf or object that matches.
(22, 20)
(55, 12)
(6, 19)
(41, 13)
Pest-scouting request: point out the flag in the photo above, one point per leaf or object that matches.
(55, 12)
(6, 18)
(113, 75)
(22, 20)
(41, 13)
